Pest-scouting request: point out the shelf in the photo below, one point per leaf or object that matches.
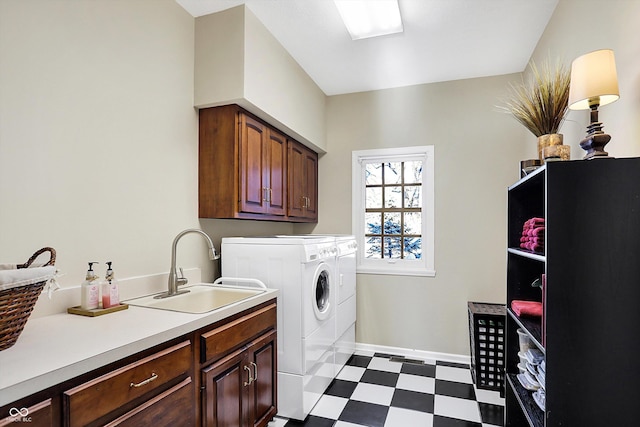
(532, 325)
(527, 254)
(531, 178)
(531, 411)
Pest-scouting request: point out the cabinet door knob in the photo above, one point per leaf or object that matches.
(246, 383)
(153, 377)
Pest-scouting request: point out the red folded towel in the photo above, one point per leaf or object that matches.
(534, 220)
(538, 231)
(526, 308)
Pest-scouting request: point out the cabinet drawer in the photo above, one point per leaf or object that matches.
(173, 407)
(97, 398)
(220, 341)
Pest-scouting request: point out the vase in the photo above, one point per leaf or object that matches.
(548, 140)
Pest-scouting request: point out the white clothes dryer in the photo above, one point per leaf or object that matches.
(302, 269)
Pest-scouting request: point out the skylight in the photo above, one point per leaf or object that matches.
(367, 18)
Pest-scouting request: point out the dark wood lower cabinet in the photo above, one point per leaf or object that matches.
(240, 390)
(223, 374)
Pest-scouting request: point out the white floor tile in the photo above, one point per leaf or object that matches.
(373, 393)
(346, 424)
(351, 373)
(416, 383)
(459, 375)
(329, 407)
(399, 417)
(489, 396)
(454, 407)
(277, 422)
(380, 364)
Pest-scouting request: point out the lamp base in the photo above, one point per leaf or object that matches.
(594, 144)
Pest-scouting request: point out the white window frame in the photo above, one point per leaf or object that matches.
(405, 267)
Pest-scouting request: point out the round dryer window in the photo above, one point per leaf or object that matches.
(322, 292)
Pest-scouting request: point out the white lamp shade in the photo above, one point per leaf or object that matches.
(593, 75)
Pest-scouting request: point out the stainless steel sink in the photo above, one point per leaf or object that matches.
(201, 298)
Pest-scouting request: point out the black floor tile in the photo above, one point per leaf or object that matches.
(417, 401)
(422, 370)
(341, 388)
(311, 421)
(364, 413)
(453, 389)
(452, 364)
(491, 414)
(440, 421)
(360, 361)
(372, 376)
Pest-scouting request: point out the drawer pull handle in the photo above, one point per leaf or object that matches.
(255, 371)
(153, 377)
(246, 383)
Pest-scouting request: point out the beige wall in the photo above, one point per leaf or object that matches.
(477, 150)
(98, 137)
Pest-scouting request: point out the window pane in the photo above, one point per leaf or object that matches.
(413, 172)
(373, 174)
(372, 223)
(392, 223)
(392, 247)
(413, 222)
(372, 247)
(392, 197)
(373, 197)
(412, 196)
(412, 248)
(393, 173)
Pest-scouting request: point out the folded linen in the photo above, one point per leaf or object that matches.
(534, 221)
(526, 308)
(538, 231)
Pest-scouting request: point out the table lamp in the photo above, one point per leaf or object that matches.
(594, 83)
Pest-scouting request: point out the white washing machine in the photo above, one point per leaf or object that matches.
(346, 299)
(303, 270)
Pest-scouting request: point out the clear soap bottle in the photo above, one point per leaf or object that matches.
(110, 292)
(90, 290)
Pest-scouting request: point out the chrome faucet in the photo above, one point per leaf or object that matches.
(174, 279)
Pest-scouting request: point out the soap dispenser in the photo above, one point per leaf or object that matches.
(110, 294)
(90, 290)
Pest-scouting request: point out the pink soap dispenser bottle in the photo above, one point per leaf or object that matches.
(110, 292)
(90, 290)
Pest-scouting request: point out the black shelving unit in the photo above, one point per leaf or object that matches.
(592, 267)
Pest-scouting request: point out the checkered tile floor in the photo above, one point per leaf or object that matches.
(373, 391)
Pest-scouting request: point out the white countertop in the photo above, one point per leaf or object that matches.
(55, 348)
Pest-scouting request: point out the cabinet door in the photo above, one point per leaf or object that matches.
(263, 395)
(311, 183)
(174, 407)
(303, 181)
(276, 171)
(226, 392)
(252, 151)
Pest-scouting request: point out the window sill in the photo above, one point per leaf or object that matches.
(396, 272)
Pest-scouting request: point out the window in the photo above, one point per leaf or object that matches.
(393, 208)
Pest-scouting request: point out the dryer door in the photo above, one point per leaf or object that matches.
(322, 292)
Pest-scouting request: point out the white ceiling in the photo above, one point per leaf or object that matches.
(442, 40)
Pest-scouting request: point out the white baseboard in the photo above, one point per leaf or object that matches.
(430, 356)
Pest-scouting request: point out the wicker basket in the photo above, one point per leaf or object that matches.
(16, 304)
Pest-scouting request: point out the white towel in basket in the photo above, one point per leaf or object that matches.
(14, 277)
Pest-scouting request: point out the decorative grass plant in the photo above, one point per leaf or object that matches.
(541, 104)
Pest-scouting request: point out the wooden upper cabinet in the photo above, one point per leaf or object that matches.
(303, 182)
(244, 169)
